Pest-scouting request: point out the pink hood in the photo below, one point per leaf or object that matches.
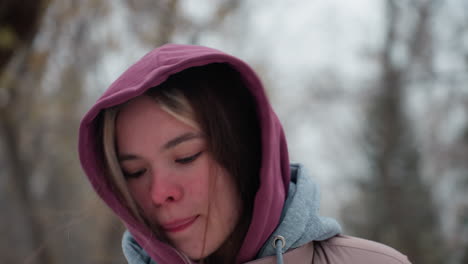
(153, 69)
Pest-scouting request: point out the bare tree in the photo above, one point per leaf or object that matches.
(47, 51)
(396, 205)
(19, 22)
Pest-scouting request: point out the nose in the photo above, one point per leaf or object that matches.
(164, 190)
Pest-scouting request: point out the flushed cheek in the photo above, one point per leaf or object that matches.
(197, 190)
(144, 202)
(197, 185)
(227, 203)
(139, 194)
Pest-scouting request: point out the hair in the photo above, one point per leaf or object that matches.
(214, 99)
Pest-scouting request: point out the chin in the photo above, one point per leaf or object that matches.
(197, 252)
(195, 256)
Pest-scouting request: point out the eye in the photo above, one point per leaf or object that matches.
(133, 175)
(188, 159)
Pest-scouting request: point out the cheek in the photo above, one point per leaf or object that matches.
(226, 201)
(197, 183)
(229, 198)
(140, 193)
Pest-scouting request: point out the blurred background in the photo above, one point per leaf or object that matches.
(373, 95)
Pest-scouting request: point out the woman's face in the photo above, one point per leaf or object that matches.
(174, 179)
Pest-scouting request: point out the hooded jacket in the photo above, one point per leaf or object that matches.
(278, 207)
(308, 237)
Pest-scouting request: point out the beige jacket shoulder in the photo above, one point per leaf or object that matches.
(338, 250)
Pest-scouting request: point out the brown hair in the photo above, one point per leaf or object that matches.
(216, 98)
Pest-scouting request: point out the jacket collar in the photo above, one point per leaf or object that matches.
(300, 220)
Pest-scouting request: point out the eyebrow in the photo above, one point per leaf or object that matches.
(170, 144)
(182, 138)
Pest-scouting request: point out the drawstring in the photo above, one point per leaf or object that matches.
(278, 244)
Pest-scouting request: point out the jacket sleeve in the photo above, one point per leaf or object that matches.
(352, 250)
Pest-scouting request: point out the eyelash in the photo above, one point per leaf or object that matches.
(182, 161)
(135, 174)
(189, 159)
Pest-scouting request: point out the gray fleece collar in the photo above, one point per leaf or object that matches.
(133, 252)
(300, 220)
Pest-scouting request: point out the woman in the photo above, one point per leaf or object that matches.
(187, 151)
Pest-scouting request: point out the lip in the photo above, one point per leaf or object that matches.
(179, 224)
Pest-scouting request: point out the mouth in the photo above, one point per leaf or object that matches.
(179, 224)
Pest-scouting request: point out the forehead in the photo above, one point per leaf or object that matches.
(143, 120)
(138, 109)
